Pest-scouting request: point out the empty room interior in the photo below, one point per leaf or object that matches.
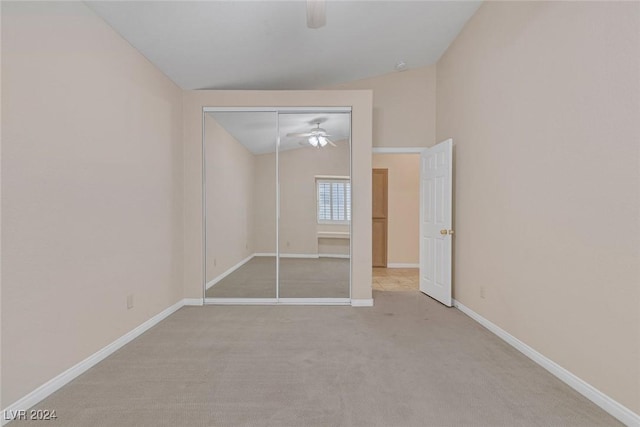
(320, 213)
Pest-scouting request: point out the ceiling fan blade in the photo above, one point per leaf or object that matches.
(331, 142)
(306, 134)
(316, 16)
(299, 135)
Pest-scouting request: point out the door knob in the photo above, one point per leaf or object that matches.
(444, 232)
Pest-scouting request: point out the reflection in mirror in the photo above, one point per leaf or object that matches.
(315, 205)
(240, 206)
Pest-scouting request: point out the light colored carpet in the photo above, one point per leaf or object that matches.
(299, 278)
(408, 361)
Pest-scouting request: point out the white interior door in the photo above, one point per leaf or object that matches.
(436, 175)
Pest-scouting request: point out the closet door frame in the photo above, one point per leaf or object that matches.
(277, 300)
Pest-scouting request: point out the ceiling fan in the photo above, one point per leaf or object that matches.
(317, 137)
(316, 16)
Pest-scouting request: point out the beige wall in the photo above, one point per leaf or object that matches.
(230, 183)
(360, 101)
(404, 107)
(264, 202)
(542, 101)
(91, 190)
(403, 241)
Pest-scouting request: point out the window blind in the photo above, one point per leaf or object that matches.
(334, 200)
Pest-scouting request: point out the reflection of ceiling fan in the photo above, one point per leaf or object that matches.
(318, 137)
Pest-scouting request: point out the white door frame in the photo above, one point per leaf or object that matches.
(405, 150)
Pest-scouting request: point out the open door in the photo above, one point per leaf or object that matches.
(436, 176)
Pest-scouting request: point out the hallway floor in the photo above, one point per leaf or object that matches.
(396, 279)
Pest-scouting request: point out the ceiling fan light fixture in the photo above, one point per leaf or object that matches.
(314, 141)
(322, 141)
(316, 17)
(401, 66)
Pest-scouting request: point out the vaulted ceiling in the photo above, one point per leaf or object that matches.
(267, 45)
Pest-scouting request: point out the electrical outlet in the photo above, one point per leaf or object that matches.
(288, 243)
(215, 262)
(129, 302)
(482, 292)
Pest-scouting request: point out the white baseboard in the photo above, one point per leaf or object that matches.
(341, 256)
(298, 255)
(53, 385)
(402, 265)
(240, 301)
(283, 255)
(314, 301)
(311, 256)
(274, 301)
(229, 271)
(193, 301)
(617, 410)
(362, 302)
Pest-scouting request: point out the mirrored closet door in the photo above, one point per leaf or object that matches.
(315, 205)
(277, 209)
(240, 204)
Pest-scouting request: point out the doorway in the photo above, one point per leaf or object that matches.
(435, 201)
(396, 209)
